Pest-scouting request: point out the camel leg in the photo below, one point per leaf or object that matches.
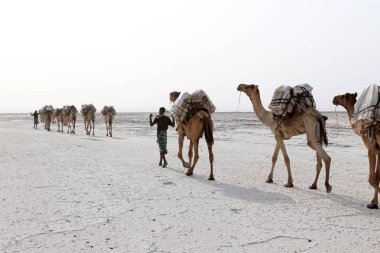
(372, 164)
(110, 127)
(280, 142)
(181, 138)
(326, 158)
(274, 160)
(196, 157)
(211, 158)
(318, 168)
(93, 127)
(190, 154)
(107, 128)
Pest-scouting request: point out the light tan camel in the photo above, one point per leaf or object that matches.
(59, 118)
(308, 122)
(88, 113)
(108, 113)
(348, 101)
(193, 129)
(47, 116)
(70, 117)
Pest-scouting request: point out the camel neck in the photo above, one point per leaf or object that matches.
(260, 111)
(350, 111)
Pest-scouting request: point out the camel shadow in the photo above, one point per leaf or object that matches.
(346, 201)
(242, 193)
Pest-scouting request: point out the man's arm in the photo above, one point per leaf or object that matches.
(150, 120)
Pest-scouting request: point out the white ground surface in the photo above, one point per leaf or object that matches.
(78, 193)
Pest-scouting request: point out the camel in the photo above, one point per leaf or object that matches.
(193, 129)
(308, 121)
(46, 116)
(58, 115)
(88, 113)
(348, 101)
(70, 117)
(108, 113)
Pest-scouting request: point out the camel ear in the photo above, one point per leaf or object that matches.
(179, 93)
(356, 94)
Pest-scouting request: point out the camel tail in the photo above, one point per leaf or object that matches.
(322, 131)
(208, 127)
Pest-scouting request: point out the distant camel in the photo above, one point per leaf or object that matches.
(108, 113)
(59, 117)
(70, 117)
(46, 116)
(193, 129)
(88, 113)
(348, 101)
(309, 122)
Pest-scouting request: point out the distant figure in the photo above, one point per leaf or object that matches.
(162, 122)
(35, 115)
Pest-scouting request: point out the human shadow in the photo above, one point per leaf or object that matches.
(234, 191)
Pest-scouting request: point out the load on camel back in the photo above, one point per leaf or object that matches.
(366, 117)
(287, 101)
(187, 105)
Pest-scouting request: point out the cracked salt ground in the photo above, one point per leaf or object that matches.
(67, 193)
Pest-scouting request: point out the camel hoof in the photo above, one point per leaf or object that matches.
(269, 181)
(328, 188)
(189, 174)
(211, 178)
(186, 165)
(313, 187)
(372, 206)
(289, 185)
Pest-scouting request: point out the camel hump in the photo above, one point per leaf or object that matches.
(287, 100)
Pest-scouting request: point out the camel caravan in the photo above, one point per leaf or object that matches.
(292, 112)
(67, 116)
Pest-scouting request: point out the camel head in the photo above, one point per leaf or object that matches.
(248, 89)
(345, 100)
(174, 95)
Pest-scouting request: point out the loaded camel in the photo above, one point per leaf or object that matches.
(309, 122)
(193, 129)
(58, 115)
(70, 117)
(88, 113)
(46, 116)
(348, 101)
(108, 113)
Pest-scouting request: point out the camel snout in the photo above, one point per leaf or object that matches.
(241, 87)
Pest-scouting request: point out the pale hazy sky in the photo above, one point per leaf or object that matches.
(131, 54)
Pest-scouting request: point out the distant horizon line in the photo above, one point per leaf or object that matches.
(167, 110)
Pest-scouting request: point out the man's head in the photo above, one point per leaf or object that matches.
(35, 111)
(162, 110)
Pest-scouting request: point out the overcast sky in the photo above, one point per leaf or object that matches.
(131, 54)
